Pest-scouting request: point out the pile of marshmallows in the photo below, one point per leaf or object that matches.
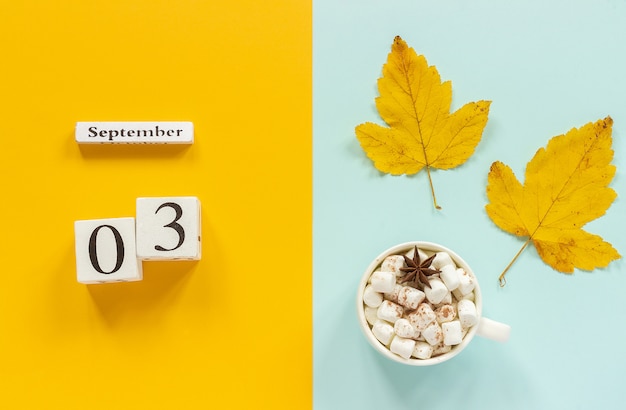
(421, 324)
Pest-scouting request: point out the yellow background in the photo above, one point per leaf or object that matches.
(230, 331)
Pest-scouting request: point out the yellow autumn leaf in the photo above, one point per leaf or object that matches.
(565, 186)
(422, 132)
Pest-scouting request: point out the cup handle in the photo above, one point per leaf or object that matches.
(493, 330)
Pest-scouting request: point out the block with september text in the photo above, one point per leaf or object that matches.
(137, 132)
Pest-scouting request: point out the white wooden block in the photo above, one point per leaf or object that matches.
(137, 132)
(105, 251)
(168, 228)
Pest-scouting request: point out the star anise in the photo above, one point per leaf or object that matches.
(417, 270)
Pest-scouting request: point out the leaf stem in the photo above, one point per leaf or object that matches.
(501, 278)
(432, 188)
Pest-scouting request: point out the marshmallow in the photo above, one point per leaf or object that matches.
(383, 282)
(459, 296)
(393, 263)
(441, 348)
(464, 330)
(410, 297)
(447, 300)
(371, 315)
(389, 311)
(372, 298)
(422, 350)
(402, 347)
(445, 313)
(466, 282)
(393, 295)
(449, 276)
(422, 317)
(383, 331)
(436, 292)
(441, 259)
(433, 334)
(410, 254)
(404, 328)
(452, 333)
(467, 312)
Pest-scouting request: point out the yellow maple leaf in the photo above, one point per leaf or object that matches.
(565, 186)
(422, 132)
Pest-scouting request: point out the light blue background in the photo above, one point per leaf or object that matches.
(547, 66)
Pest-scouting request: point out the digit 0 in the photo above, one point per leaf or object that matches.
(174, 225)
(93, 251)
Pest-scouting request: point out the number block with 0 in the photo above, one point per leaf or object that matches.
(105, 251)
(111, 250)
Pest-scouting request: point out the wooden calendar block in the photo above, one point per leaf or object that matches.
(136, 132)
(168, 228)
(105, 251)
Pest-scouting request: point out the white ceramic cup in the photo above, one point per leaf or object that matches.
(486, 327)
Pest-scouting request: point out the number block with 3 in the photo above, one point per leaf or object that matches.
(105, 251)
(168, 228)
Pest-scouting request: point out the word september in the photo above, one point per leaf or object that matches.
(134, 132)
